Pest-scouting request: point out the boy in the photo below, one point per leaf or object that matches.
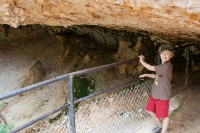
(158, 104)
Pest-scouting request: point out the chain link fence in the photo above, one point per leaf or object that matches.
(120, 111)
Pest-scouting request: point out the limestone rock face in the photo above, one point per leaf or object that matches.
(36, 73)
(176, 18)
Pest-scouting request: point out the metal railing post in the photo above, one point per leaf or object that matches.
(187, 66)
(71, 112)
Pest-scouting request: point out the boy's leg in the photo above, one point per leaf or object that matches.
(165, 125)
(151, 109)
(157, 120)
(163, 113)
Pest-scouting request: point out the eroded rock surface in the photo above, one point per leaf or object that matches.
(175, 18)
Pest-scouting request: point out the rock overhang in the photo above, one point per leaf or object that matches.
(171, 18)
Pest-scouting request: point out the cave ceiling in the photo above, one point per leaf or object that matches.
(169, 18)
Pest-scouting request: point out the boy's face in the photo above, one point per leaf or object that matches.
(166, 55)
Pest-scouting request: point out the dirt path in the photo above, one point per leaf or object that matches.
(186, 119)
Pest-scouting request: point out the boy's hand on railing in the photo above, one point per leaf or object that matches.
(142, 76)
(141, 57)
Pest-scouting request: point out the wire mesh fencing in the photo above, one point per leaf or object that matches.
(122, 111)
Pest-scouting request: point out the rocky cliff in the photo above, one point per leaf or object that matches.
(174, 18)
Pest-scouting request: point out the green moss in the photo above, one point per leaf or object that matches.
(6, 128)
(56, 118)
(83, 86)
(173, 114)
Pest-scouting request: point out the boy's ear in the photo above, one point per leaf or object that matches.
(172, 54)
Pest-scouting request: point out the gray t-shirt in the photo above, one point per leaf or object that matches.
(161, 88)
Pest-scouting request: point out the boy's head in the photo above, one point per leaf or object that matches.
(166, 52)
(168, 47)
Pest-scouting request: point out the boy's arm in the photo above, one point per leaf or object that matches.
(146, 65)
(148, 75)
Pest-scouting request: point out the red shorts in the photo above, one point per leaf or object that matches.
(159, 107)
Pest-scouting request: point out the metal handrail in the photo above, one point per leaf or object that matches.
(40, 118)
